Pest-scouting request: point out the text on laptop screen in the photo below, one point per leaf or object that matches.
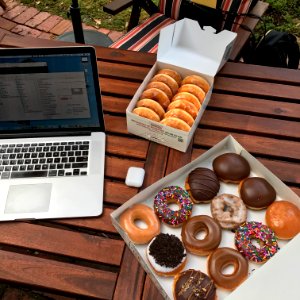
(47, 91)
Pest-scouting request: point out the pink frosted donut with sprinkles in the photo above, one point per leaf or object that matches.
(249, 231)
(177, 195)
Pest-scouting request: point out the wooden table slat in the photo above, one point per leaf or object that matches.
(251, 124)
(118, 167)
(264, 107)
(63, 242)
(256, 88)
(58, 276)
(256, 145)
(133, 147)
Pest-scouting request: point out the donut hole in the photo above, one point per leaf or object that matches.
(200, 234)
(140, 224)
(256, 243)
(228, 269)
(173, 206)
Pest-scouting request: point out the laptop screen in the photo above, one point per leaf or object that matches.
(49, 89)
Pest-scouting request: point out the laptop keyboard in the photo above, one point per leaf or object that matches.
(44, 159)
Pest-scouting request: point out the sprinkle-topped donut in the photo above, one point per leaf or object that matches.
(264, 235)
(177, 195)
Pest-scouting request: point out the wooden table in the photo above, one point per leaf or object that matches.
(78, 258)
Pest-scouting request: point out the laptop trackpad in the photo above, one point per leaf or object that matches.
(28, 198)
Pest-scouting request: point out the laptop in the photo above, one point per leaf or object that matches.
(52, 135)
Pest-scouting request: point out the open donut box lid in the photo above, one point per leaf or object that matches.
(185, 44)
(276, 279)
(186, 48)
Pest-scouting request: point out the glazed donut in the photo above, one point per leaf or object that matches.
(222, 258)
(146, 113)
(152, 104)
(188, 97)
(185, 105)
(161, 86)
(195, 225)
(144, 213)
(231, 167)
(192, 284)
(180, 114)
(257, 193)
(175, 75)
(283, 217)
(229, 211)
(197, 80)
(168, 80)
(177, 195)
(202, 185)
(261, 233)
(157, 95)
(166, 254)
(193, 89)
(176, 123)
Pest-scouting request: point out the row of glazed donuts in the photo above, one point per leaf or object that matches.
(171, 100)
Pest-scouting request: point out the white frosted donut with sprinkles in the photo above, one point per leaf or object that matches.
(177, 195)
(249, 231)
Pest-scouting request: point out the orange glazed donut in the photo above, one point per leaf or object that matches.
(220, 259)
(168, 80)
(188, 97)
(283, 218)
(161, 86)
(144, 213)
(146, 113)
(157, 95)
(175, 75)
(180, 114)
(152, 104)
(193, 89)
(197, 80)
(185, 105)
(176, 123)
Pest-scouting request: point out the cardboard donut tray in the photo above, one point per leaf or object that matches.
(276, 279)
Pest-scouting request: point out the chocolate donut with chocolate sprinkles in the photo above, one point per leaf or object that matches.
(202, 185)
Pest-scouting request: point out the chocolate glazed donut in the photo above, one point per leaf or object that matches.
(220, 259)
(202, 185)
(231, 167)
(257, 193)
(195, 225)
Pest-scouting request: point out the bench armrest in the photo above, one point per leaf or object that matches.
(117, 6)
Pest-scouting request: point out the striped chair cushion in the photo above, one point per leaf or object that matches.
(144, 37)
(233, 10)
(170, 8)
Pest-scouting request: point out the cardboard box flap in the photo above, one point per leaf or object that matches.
(185, 44)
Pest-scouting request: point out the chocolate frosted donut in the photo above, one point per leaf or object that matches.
(196, 224)
(192, 284)
(202, 185)
(220, 259)
(231, 167)
(257, 193)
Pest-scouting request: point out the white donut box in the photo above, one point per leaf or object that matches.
(188, 49)
(277, 279)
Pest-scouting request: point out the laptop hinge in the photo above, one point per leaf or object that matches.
(44, 134)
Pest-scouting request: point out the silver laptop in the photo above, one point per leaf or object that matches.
(52, 135)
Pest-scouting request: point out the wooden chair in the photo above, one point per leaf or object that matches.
(3, 4)
(144, 36)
